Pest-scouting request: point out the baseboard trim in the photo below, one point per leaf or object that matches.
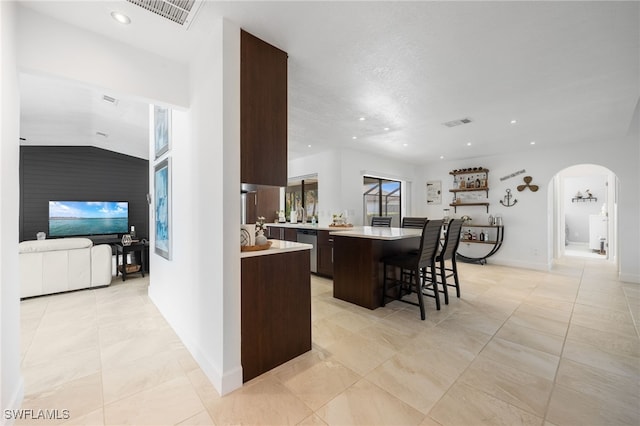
(629, 278)
(519, 264)
(224, 383)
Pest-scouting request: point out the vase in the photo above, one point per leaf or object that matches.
(126, 240)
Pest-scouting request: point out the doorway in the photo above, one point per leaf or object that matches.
(585, 212)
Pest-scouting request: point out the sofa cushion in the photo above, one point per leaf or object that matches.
(36, 246)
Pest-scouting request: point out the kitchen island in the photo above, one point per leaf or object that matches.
(357, 270)
(276, 306)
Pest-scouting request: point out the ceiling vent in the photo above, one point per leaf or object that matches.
(455, 123)
(181, 12)
(104, 135)
(110, 99)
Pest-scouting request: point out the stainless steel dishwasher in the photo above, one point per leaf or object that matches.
(310, 236)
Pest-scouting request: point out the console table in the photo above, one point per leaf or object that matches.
(495, 236)
(124, 250)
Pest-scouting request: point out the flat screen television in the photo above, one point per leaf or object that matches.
(80, 218)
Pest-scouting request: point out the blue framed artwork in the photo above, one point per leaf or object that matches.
(162, 185)
(161, 129)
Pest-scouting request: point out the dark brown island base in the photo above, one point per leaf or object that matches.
(357, 270)
(276, 306)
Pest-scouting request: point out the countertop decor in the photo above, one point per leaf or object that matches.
(277, 247)
(256, 248)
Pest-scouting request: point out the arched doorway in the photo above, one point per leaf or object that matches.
(585, 212)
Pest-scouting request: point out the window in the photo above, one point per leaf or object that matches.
(382, 197)
(302, 194)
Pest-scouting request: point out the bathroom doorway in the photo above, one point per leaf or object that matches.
(585, 212)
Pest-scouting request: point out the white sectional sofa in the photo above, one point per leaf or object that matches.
(54, 266)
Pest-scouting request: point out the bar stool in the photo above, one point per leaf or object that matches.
(448, 252)
(381, 221)
(413, 222)
(411, 264)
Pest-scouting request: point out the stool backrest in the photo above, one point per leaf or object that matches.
(381, 221)
(429, 242)
(414, 222)
(451, 240)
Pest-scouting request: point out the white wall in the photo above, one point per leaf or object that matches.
(49, 46)
(198, 291)
(340, 176)
(527, 223)
(11, 383)
(326, 166)
(577, 213)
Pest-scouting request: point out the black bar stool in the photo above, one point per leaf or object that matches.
(381, 221)
(414, 222)
(448, 252)
(410, 265)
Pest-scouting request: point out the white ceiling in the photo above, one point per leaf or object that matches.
(566, 71)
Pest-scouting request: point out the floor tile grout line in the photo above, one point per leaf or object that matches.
(494, 335)
(564, 342)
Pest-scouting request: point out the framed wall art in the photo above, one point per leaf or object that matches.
(434, 192)
(161, 129)
(162, 191)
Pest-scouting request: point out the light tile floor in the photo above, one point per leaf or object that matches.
(519, 347)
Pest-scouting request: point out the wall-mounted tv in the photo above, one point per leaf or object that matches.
(75, 218)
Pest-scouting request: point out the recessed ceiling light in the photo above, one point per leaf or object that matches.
(442, 157)
(121, 17)
(514, 121)
(532, 143)
(468, 143)
(386, 129)
(308, 146)
(354, 137)
(405, 144)
(362, 118)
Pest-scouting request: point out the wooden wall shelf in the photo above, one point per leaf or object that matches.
(584, 199)
(468, 204)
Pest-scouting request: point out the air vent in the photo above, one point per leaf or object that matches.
(179, 11)
(455, 123)
(109, 99)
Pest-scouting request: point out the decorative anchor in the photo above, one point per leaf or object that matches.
(507, 200)
(527, 184)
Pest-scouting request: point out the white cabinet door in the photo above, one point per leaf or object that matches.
(597, 230)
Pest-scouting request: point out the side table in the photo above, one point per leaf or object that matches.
(140, 248)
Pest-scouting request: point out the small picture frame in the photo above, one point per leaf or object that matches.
(161, 130)
(162, 208)
(434, 192)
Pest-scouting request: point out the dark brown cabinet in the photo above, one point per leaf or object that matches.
(282, 233)
(276, 311)
(325, 254)
(263, 112)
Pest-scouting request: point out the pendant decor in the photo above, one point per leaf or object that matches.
(527, 184)
(507, 200)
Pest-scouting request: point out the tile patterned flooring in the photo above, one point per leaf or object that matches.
(520, 347)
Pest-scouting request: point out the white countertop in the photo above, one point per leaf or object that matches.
(277, 246)
(378, 233)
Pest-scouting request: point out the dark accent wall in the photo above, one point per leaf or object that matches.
(79, 173)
